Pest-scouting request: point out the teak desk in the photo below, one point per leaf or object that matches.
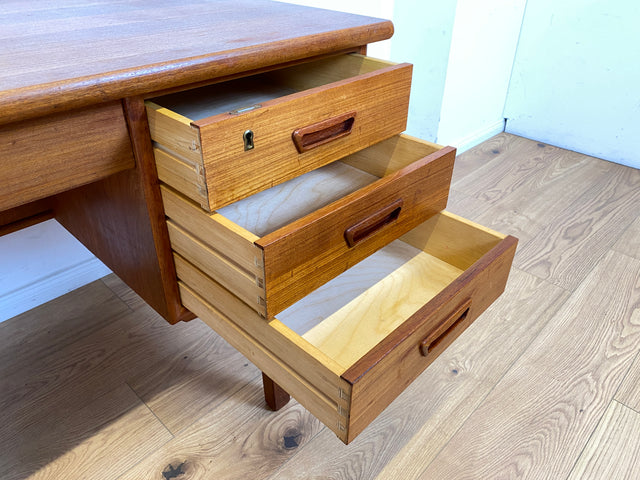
(76, 145)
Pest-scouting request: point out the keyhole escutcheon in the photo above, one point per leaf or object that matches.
(247, 136)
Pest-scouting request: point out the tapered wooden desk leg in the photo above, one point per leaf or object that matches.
(274, 395)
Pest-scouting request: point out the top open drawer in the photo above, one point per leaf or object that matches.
(227, 141)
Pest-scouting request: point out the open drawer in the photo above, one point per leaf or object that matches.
(224, 142)
(348, 349)
(277, 246)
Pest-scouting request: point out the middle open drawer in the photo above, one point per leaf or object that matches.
(277, 246)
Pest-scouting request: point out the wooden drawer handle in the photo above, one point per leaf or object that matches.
(367, 227)
(446, 327)
(313, 136)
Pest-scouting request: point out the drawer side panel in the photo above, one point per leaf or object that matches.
(321, 406)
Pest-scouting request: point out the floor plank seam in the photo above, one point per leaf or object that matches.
(587, 273)
(215, 405)
(631, 257)
(628, 372)
(588, 440)
(150, 410)
(627, 406)
(116, 293)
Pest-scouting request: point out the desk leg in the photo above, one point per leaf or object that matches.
(274, 395)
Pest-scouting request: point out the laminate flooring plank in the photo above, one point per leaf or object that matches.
(99, 441)
(566, 249)
(421, 420)
(498, 148)
(239, 439)
(629, 392)
(629, 241)
(527, 170)
(536, 421)
(506, 219)
(184, 387)
(532, 185)
(614, 449)
(465, 205)
(31, 336)
(67, 379)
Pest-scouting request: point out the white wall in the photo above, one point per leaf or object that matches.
(462, 52)
(422, 36)
(483, 47)
(576, 77)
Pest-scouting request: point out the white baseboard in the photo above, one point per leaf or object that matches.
(52, 286)
(40, 263)
(475, 138)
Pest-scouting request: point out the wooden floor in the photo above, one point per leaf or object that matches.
(545, 384)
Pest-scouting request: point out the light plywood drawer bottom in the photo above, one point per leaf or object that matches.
(348, 349)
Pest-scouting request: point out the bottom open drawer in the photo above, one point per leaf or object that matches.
(349, 348)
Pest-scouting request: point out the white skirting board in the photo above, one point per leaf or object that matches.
(475, 138)
(40, 263)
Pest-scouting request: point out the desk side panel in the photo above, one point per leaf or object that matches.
(121, 220)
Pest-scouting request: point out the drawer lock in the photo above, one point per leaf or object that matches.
(247, 136)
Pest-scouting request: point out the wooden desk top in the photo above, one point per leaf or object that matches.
(74, 53)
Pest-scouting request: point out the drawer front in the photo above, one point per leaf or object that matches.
(336, 110)
(49, 155)
(347, 389)
(309, 252)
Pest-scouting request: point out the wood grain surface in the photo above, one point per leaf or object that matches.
(380, 100)
(527, 367)
(96, 432)
(76, 54)
(565, 250)
(522, 195)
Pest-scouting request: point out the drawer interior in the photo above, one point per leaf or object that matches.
(273, 248)
(246, 93)
(313, 347)
(348, 316)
